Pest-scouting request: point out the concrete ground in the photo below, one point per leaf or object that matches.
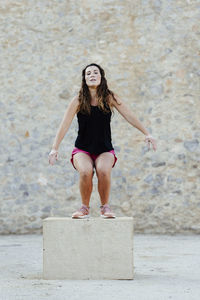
(166, 267)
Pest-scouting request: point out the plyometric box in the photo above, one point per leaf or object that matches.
(93, 248)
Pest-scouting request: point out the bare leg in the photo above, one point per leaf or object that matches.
(104, 163)
(85, 186)
(84, 165)
(104, 184)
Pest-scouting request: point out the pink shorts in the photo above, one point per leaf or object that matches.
(93, 156)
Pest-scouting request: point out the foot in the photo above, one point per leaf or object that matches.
(82, 213)
(106, 211)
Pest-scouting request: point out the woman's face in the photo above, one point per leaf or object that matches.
(92, 76)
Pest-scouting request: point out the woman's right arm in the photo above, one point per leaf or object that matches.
(66, 122)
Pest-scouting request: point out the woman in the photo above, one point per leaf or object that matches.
(93, 147)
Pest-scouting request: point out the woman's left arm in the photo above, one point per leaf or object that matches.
(126, 112)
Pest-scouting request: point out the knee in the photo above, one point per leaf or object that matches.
(86, 174)
(102, 173)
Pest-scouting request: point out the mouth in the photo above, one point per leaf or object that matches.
(93, 80)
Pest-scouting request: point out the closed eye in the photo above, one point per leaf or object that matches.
(96, 72)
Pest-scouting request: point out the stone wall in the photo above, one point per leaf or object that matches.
(150, 53)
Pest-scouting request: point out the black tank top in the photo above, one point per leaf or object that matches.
(94, 133)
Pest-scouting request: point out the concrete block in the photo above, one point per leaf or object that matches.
(93, 248)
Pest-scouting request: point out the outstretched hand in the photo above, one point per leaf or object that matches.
(53, 156)
(150, 140)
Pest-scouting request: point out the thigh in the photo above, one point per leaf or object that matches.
(104, 163)
(83, 162)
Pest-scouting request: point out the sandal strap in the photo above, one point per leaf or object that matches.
(105, 208)
(84, 208)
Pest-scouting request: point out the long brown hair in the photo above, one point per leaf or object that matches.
(103, 94)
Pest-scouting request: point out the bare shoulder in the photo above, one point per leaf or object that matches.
(75, 101)
(73, 104)
(71, 109)
(115, 101)
(121, 106)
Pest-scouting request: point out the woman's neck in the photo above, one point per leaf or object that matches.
(93, 95)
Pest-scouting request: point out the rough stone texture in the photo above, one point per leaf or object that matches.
(150, 53)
